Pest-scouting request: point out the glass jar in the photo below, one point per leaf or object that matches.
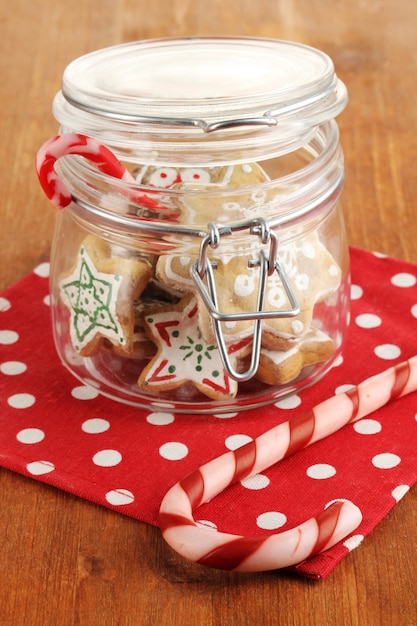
(212, 274)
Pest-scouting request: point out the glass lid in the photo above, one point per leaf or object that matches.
(209, 83)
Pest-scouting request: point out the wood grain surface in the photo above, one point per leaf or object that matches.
(67, 562)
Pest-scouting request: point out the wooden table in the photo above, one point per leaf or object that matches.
(67, 562)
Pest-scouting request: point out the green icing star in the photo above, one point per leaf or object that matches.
(90, 300)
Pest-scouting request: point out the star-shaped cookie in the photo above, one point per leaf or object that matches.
(184, 356)
(99, 293)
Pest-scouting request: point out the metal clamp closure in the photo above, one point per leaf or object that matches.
(203, 274)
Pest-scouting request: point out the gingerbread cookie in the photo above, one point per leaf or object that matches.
(278, 367)
(183, 355)
(99, 293)
(309, 267)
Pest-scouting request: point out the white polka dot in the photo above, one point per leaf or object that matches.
(160, 419)
(271, 520)
(37, 468)
(205, 523)
(42, 270)
(387, 351)
(414, 310)
(30, 435)
(368, 320)
(236, 441)
(84, 393)
(399, 492)
(21, 400)
(367, 427)
(290, 402)
(107, 458)
(95, 425)
(5, 305)
(356, 292)
(13, 368)
(353, 542)
(118, 497)
(258, 481)
(343, 388)
(321, 471)
(335, 500)
(47, 300)
(404, 280)
(338, 361)
(386, 460)
(225, 416)
(173, 451)
(7, 337)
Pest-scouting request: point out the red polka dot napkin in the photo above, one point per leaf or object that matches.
(57, 431)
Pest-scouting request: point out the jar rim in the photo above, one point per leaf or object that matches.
(265, 91)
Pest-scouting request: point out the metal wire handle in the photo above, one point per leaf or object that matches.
(203, 274)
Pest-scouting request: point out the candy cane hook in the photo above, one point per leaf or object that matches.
(89, 148)
(235, 552)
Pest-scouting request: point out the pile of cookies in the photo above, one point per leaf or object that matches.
(149, 310)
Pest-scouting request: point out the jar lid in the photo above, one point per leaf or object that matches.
(204, 85)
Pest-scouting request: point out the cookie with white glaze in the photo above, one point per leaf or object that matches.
(183, 356)
(99, 293)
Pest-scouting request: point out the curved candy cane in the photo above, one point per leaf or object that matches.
(234, 552)
(89, 148)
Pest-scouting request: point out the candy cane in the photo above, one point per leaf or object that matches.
(89, 148)
(235, 552)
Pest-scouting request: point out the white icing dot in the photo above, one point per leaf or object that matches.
(258, 481)
(247, 168)
(205, 523)
(353, 542)
(95, 425)
(244, 285)
(5, 304)
(356, 292)
(367, 427)
(387, 351)
(107, 458)
(308, 250)
(118, 497)
(30, 435)
(21, 400)
(297, 327)
(403, 279)
(160, 419)
(386, 460)
(333, 270)
(302, 282)
(399, 492)
(84, 393)
(13, 368)
(236, 441)
(321, 471)
(414, 310)
(7, 337)
(271, 520)
(173, 451)
(37, 468)
(42, 270)
(368, 320)
(290, 402)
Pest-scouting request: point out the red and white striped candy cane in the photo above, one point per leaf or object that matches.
(235, 552)
(89, 148)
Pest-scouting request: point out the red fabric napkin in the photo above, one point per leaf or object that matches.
(57, 431)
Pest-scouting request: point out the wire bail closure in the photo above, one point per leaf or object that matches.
(203, 274)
